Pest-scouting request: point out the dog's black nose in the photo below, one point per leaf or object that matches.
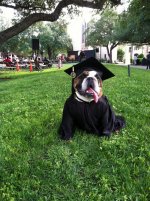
(90, 82)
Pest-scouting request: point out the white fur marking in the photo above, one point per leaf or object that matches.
(92, 73)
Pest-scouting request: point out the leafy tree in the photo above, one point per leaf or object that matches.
(20, 44)
(134, 24)
(53, 39)
(31, 11)
(101, 31)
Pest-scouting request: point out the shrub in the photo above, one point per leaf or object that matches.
(120, 54)
(140, 58)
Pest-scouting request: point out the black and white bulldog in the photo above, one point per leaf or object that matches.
(88, 86)
(88, 109)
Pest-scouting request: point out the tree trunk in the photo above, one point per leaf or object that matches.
(49, 52)
(109, 50)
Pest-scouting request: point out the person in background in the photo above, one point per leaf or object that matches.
(37, 63)
(148, 61)
(60, 60)
(82, 56)
(135, 59)
(7, 61)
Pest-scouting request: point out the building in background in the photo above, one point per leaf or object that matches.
(131, 50)
(76, 31)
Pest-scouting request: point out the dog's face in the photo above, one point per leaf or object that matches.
(88, 86)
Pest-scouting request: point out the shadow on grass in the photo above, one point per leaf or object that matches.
(5, 75)
(5, 79)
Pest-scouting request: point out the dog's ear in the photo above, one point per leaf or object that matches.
(100, 74)
(75, 82)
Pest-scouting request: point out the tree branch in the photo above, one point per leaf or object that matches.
(114, 45)
(36, 17)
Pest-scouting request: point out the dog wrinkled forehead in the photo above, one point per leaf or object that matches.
(90, 73)
(88, 65)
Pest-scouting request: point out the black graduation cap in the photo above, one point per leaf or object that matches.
(92, 64)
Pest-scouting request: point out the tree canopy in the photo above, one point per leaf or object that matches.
(134, 24)
(131, 26)
(54, 39)
(100, 32)
(32, 11)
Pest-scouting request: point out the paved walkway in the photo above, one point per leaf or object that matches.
(138, 66)
(134, 66)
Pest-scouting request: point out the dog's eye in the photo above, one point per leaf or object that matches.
(98, 76)
(85, 73)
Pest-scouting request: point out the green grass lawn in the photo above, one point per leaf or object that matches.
(35, 165)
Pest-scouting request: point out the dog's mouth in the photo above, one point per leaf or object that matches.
(90, 93)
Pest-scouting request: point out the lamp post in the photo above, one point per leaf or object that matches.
(127, 59)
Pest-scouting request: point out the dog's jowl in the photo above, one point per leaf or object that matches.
(87, 108)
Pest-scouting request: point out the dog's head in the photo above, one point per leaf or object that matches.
(88, 86)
